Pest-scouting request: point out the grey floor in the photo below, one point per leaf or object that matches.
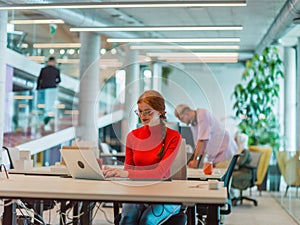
(268, 212)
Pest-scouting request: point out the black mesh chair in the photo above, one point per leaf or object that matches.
(245, 178)
(227, 181)
(203, 211)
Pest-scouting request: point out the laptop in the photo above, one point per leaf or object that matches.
(82, 164)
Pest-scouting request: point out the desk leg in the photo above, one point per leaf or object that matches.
(38, 206)
(9, 215)
(213, 215)
(191, 215)
(87, 209)
(116, 206)
(63, 209)
(75, 212)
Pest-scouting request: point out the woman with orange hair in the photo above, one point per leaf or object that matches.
(150, 152)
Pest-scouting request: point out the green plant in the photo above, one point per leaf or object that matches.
(165, 73)
(256, 96)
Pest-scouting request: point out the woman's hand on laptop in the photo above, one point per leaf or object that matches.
(114, 172)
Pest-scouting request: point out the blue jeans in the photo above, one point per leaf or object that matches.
(146, 214)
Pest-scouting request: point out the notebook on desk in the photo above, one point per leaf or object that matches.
(83, 164)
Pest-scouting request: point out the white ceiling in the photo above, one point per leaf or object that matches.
(256, 18)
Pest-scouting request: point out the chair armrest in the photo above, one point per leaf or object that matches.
(228, 208)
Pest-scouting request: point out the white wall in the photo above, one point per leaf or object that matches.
(204, 86)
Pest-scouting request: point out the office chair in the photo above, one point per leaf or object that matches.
(178, 171)
(245, 178)
(262, 168)
(226, 179)
(202, 211)
(289, 166)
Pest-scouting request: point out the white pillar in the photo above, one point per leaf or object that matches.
(157, 76)
(298, 97)
(3, 43)
(290, 99)
(132, 92)
(87, 128)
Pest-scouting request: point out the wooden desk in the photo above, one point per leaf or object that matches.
(50, 187)
(197, 174)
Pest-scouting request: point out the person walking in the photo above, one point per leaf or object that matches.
(49, 75)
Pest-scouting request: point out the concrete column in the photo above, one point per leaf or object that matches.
(132, 92)
(3, 43)
(290, 99)
(87, 128)
(298, 97)
(157, 76)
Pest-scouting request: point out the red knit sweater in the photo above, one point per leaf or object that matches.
(142, 148)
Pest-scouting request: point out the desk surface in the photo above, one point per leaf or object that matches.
(217, 174)
(45, 170)
(187, 192)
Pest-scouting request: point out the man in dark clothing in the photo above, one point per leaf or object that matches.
(49, 76)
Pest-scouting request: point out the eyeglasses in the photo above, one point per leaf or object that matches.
(143, 113)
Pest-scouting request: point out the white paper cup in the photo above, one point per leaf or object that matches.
(25, 155)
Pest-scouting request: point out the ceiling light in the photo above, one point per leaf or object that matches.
(48, 21)
(39, 59)
(102, 51)
(68, 61)
(40, 106)
(173, 40)
(193, 54)
(72, 112)
(59, 106)
(57, 45)
(23, 97)
(113, 51)
(198, 57)
(156, 28)
(71, 51)
(145, 4)
(203, 60)
(184, 47)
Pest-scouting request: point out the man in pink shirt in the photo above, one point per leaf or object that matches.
(209, 135)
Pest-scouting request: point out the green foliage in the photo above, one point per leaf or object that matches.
(256, 96)
(165, 74)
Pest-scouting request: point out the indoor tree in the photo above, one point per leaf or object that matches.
(255, 98)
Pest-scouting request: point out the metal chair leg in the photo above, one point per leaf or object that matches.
(286, 190)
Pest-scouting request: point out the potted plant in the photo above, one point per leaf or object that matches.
(255, 98)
